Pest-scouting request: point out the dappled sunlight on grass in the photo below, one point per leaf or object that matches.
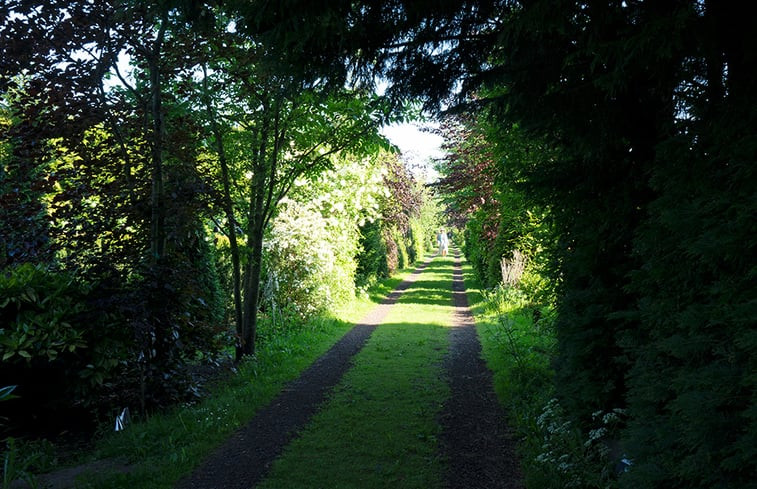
(169, 445)
(380, 427)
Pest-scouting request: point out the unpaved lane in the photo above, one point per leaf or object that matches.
(243, 460)
(475, 438)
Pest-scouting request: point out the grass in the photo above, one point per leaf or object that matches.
(380, 429)
(168, 446)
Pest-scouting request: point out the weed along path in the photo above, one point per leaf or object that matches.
(408, 404)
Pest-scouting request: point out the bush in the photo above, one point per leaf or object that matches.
(308, 268)
(570, 459)
(372, 257)
(556, 452)
(478, 253)
(311, 250)
(403, 257)
(691, 380)
(417, 249)
(55, 346)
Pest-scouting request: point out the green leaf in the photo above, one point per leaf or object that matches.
(31, 295)
(25, 354)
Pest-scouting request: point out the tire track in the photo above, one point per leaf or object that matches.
(475, 439)
(246, 457)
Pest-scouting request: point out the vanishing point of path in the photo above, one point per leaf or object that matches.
(402, 400)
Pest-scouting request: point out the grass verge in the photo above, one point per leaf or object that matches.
(168, 446)
(379, 429)
(518, 341)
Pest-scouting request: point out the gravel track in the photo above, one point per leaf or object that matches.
(475, 439)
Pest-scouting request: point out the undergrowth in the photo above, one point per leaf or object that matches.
(518, 341)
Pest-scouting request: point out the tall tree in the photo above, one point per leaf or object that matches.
(282, 127)
(112, 155)
(650, 106)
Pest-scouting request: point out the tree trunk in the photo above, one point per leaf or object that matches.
(236, 271)
(252, 280)
(157, 197)
(252, 294)
(228, 208)
(255, 239)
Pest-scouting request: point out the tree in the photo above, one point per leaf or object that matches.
(283, 127)
(646, 109)
(484, 186)
(111, 156)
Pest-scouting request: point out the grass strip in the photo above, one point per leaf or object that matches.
(380, 427)
(169, 445)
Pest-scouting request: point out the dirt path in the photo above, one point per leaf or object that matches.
(243, 460)
(475, 439)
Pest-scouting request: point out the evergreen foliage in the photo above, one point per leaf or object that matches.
(644, 113)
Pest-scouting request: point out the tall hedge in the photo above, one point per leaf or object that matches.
(692, 387)
(649, 113)
(652, 107)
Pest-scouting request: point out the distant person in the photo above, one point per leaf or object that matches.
(443, 241)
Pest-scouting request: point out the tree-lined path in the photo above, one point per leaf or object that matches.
(190, 184)
(406, 404)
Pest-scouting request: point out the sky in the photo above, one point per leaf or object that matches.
(418, 147)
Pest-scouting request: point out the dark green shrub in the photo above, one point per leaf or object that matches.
(403, 258)
(483, 250)
(55, 346)
(372, 260)
(692, 384)
(417, 248)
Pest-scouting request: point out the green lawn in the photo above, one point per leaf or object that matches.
(380, 427)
